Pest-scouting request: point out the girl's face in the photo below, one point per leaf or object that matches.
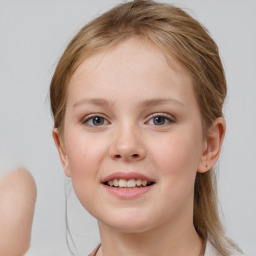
(131, 120)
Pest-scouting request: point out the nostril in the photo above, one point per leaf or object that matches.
(127, 156)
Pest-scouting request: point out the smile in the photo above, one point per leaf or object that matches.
(131, 183)
(127, 185)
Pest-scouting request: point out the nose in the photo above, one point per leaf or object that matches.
(127, 145)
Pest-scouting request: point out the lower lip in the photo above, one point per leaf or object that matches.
(128, 193)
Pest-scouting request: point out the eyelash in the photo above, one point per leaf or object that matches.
(167, 118)
(91, 117)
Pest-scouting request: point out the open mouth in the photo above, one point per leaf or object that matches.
(131, 183)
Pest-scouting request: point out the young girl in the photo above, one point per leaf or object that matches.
(137, 104)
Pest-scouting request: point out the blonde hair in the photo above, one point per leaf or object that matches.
(178, 35)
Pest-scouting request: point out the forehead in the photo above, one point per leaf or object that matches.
(134, 50)
(131, 66)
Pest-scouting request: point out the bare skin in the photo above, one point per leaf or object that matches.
(17, 202)
(114, 99)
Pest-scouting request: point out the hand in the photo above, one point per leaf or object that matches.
(17, 202)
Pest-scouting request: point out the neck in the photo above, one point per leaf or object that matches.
(165, 241)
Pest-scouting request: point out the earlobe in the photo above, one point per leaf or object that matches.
(213, 143)
(61, 150)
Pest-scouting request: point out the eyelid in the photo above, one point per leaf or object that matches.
(90, 116)
(167, 116)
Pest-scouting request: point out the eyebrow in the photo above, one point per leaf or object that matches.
(144, 103)
(160, 101)
(96, 101)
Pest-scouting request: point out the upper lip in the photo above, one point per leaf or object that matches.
(126, 176)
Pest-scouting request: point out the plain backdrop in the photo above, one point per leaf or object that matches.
(33, 35)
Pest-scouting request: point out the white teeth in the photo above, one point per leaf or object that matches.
(116, 182)
(132, 183)
(122, 183)
(111, 183)
(138, 182)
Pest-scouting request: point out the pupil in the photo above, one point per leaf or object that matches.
(98, 120)
(159, 120)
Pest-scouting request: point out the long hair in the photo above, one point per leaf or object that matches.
(180, 36)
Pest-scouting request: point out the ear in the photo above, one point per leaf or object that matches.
(61, 149)
(212, 145)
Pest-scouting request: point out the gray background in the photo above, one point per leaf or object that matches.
(33, 35)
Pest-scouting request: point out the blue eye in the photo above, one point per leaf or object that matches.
(95, 121)
(160, 120)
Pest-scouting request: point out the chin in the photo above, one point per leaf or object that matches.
(127, 222)
(129, 228)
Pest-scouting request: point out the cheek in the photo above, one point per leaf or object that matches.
(177, 150)
(85, 154)
(177, 158)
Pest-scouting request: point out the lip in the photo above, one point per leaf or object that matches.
(127, 193)
(126, 176)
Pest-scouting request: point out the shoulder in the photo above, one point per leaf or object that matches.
(211, 251)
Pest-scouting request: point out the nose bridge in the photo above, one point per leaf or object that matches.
(127, 143)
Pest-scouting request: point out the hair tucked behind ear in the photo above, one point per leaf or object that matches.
(180, 36)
